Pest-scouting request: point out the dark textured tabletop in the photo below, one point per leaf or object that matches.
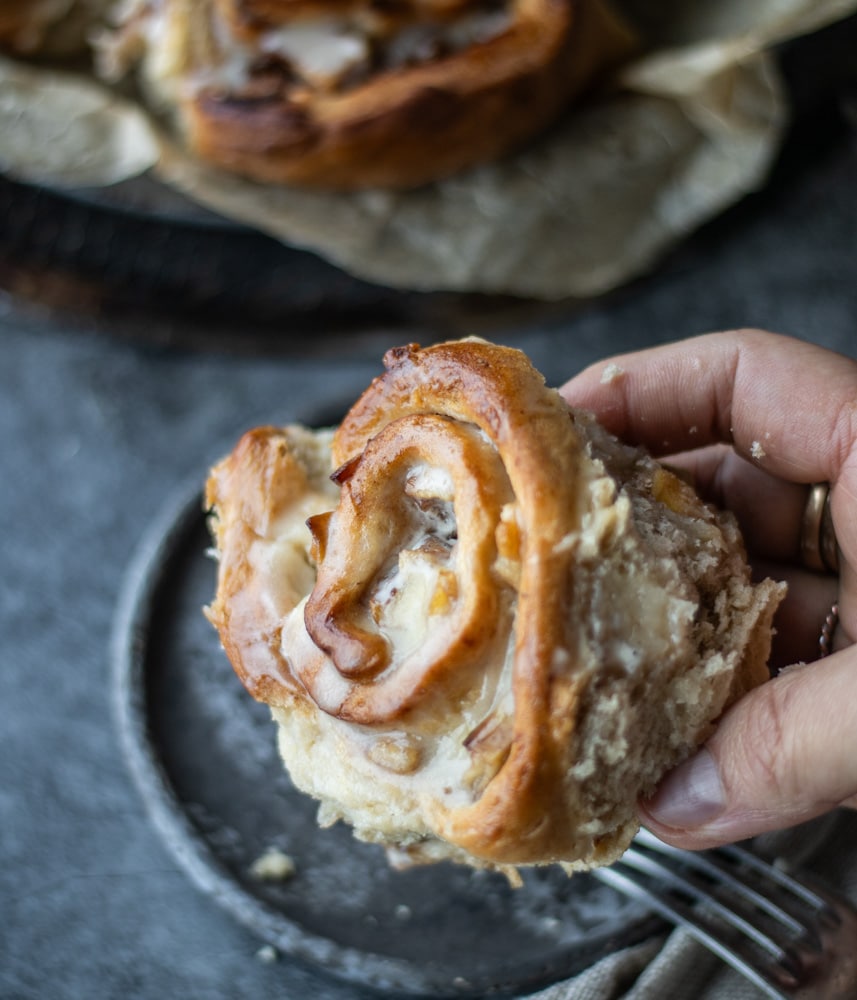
(97, 431)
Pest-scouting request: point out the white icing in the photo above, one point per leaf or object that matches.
(405, 599)
(320, 51)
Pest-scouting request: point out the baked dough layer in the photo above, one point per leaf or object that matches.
(499, 627)
(48, 27)
(350, 94)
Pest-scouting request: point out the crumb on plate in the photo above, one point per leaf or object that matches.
(273, 866)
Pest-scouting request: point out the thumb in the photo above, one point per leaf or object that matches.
(783, 754)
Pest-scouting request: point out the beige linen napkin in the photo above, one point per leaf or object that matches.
(676, 967)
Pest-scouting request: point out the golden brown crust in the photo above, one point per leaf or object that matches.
(498, 392)
(370, 509)
(394, 126)
(251, 489)
(513, 626)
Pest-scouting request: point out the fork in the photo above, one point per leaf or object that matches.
(793, 940)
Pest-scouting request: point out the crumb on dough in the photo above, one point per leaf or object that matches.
(273, 866)
(791, 668)
(756, 450)
(611, 373)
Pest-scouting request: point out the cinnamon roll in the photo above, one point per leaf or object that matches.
(485, 627)
(52, 27)
(349, 94)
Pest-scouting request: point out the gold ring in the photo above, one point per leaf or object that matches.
(819, 550)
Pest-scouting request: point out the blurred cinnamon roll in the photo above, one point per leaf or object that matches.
(485, 627)
(348, 94)
(49, 27)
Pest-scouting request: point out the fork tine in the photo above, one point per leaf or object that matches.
(684, 884)
(720, 866)
(652, 891)
(792, 940)
(821, 906)
(740, 855)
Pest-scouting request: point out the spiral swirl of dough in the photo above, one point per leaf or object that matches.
(421, 504)
(485, 456)
(352, 95)
(482, 415)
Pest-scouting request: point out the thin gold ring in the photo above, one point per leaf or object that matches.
(819, 550)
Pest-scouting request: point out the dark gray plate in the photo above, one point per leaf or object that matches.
(203, 755)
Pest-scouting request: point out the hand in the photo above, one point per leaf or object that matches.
(756, 418)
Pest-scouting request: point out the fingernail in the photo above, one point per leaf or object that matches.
(689, 796)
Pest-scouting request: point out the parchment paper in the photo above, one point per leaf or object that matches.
(66, 130)
(687, 129)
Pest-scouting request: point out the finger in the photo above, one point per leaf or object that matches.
(789, 402)
(799, 619)
(769, 509)
(782, 755)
